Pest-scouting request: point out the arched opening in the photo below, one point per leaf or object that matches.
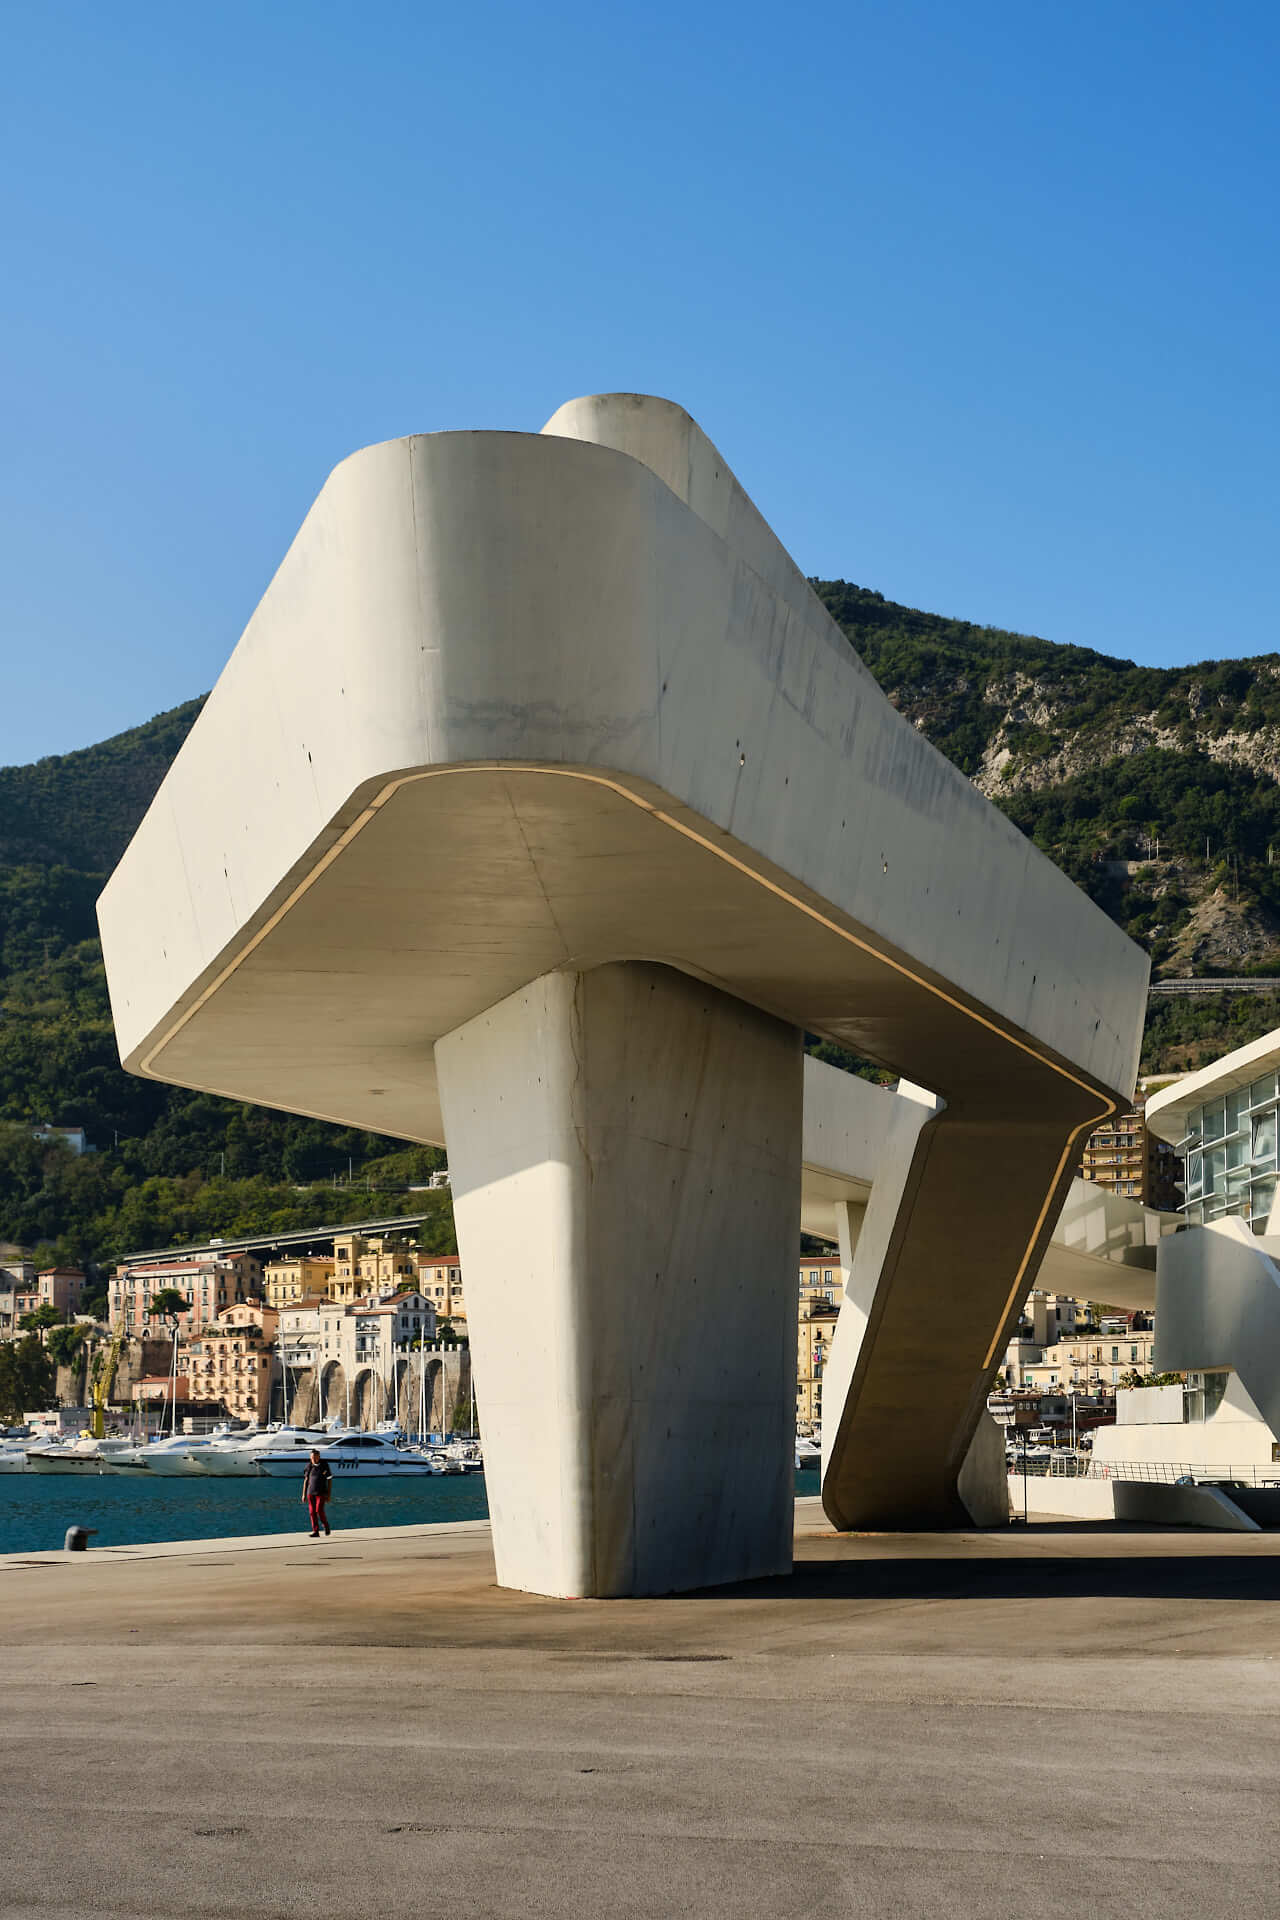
(333, 1393)
(304, 1398)
(402, 1402)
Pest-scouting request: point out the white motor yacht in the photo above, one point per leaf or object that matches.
(808, 1452)
(365, 1456)
(85, 1455)
(239, 1454)
(169, 1455)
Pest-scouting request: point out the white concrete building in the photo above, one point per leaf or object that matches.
(73, 1137)
(1207, 1424)
(1219, 1281)
(367, 1336)
(632, 817)
(298, 1337)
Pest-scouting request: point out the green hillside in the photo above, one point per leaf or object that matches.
(1158, 791)
(170, 1165)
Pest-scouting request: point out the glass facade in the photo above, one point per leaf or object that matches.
(1230, 1155)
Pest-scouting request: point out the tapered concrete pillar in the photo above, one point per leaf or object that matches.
(624, 1151)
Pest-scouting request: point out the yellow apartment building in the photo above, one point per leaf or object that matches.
(1093, 1363)
(439, 1276)
(817, 1328)
(820, 1280)
(376, 1265)
(821, 1291)
(286, 1281)
(1123, 1156)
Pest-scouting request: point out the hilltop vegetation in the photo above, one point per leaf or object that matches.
(171, 1165)
(1124, 775)
(976, 690)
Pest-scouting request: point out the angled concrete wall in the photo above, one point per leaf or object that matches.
(1219, 1306)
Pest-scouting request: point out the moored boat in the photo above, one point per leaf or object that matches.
(234, 1454)
(84, 1455)
(167, 1456)
(362, 1455)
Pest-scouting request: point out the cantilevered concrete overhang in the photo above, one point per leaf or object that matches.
(525, 706)
(511, 703)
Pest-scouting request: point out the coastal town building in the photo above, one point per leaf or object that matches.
(817, 1330)
(17, 1276)
(16, 1266)
(209, 1279)
(73, 1137)
(1126, 1157)
(298, 1337)
(1092, 1363)
(369, 1334)
(288, 1279)
(820, 1293)
(231, 1361)
(820, 1280)
(364, 1266)
(158, 1395)
(59, 1287)
(439, 1276)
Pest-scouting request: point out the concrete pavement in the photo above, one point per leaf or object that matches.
(1071, 1720)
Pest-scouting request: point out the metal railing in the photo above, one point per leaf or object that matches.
(1065, 1465)
(1212, 985)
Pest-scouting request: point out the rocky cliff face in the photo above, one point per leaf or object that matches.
(1019, 704)
(1156, 789)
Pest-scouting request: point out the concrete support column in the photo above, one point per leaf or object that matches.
(624, 1153)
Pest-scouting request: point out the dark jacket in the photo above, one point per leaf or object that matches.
(318, 1479)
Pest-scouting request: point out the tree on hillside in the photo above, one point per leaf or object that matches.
(168, 1305)
(43, 1318)
(26, 1378)
(64, 1344)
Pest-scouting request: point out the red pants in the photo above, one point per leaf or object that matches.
(315, 1507)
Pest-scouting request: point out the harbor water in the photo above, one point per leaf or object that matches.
(128, 1509)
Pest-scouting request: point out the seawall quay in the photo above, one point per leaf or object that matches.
(1064, 1718)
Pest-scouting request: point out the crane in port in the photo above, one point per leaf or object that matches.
(103, 1382)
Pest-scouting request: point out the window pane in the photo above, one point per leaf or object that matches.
(1215, 1119)
(1264, 1136)
(1236, 1104)
(1215, 1166)
(1237, 1151)
(1194, 1171)
(1264, 1194)
(1263, 1089)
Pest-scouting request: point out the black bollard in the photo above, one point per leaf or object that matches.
(77, 1539)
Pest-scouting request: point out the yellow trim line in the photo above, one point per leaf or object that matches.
(386, 793)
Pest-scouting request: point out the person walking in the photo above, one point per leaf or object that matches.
(317, 1485)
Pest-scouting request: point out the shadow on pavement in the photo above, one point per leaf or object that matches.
(1047, 1576)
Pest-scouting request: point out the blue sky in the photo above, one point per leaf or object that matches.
(979, 302)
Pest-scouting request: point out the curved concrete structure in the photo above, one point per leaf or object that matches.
(520, 706)
(859, 1143)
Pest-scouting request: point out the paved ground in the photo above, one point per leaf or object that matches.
(1070, 1720)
